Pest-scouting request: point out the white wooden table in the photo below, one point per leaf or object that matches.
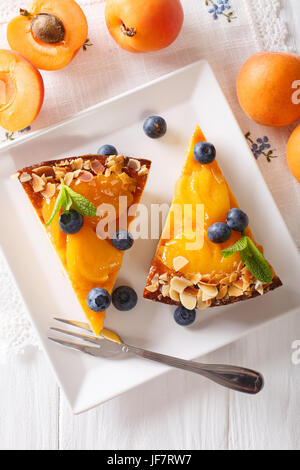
(177, 411)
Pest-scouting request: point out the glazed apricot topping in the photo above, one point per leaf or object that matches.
(50, 34)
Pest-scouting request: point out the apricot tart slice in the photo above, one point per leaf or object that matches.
(188, 269)
(89, 261)
(49, 33)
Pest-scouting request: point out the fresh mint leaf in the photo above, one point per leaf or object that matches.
(256, 262)
(68, 198)
(252, 258)
(81, 204)
(58, 204)
(240, 245)
(67, 202)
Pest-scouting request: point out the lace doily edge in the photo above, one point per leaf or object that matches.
(260, 23)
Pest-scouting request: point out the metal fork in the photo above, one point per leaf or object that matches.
(232, 377)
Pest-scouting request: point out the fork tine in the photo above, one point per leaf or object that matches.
(92, 351)
(90, 339)
(77, 324)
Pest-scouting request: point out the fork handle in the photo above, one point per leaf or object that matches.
(232, 377)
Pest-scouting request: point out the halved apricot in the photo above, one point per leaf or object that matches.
(50, 34)
(21, 91)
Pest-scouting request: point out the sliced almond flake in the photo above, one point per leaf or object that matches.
(69, 178)
(179, 284)
(164, 277)
(201, 283)
(63, 163)
(143, 171)
(179, 263)
(233, 277)
(77, 164)
(208, 292)
(174, 295)
(165, 290)
(85, 176)
(239, 284)
(240, 266)
(107, 172)
(59, 172)
(225, 281)
(97, 167)
(37, 183)
(206, 277)
(134, 165)
(49, 191)
(120, 160)
(201, 305)
(192, 291)
(235, 292)
(222, 293)
(87, 165)
(199, 294)
(111, 160)
(259, 287)
(195, 278)
(25, 177)
(208, 303)
(188, 301)
(246, 271)
(219, 276)
(152, 288)
(44, 170)
(246, 284)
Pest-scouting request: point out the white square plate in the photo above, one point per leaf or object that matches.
(185, 97)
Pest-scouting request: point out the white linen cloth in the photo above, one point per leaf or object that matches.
(105, 70)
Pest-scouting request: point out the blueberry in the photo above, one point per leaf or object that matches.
(237, 220)
(107, 150)
(98, 299)
(124, 298)
(155, 127)
(184, 317)
(204, 153)
(219, 233)
(70, 222)
(122, 240)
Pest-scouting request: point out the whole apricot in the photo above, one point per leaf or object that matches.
(144, 26)
(293, 153)
(266, 88)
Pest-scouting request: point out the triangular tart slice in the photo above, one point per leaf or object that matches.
(88, 260)
(203, 277)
